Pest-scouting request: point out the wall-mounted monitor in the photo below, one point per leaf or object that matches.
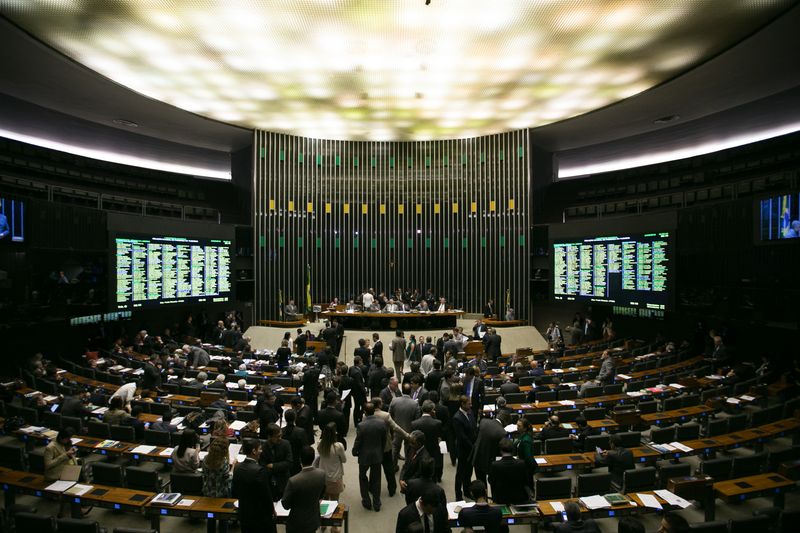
(626, 271)
(779, 218)
(12, 220)
(154, 271)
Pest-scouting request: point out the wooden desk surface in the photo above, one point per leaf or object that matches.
(634, 505)
(676, 414)
(566, 461)
(738, 438)
(113, 498)
(642, 374)
(736, 489)
(27, 481)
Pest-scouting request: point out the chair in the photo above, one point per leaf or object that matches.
(737, 422)
(670, 404)
(634, 386)
(516, 397)
(781, 456)
(12, 455)
(591, 484)
(597, 441)
(30, 415)
(191, 484)
(100, 430)
(718, 469)
(687, 432)
(558, 446)
(553, 488)
(36, 460)
(568, 415)
(239, 395)
(789, 520)
(672, 470)
(613, 389)
(749, 465)
(132, 530)
(759, 418)
(107, 474)
(537, 418)
(157, 438)
(171, 388)
(52, 420)
(634, 480)
(709, 527)
(78, 525)
(594, 413)
(246, 416)
(570, 394)
(123, 433)
(34, 522)
(592, 392)
(716, 427)
(630, 439)
(690, 400)
(648, 407)
(139, 478)
(73, 422)
(662, 436)
(774, 413)
(750, 524)
(546, 396)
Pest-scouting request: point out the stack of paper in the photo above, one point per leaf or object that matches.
(672, 499)
(59, 486)
(541, 461)
(680, 446)
(557, 507)
(595, 502)
(453, 508)
(648, 500)
(280, 510)
(142, 448)
(733, 401)
(676, 386)
(78, 490)
(238, 425)
(166, 452)
(327, 507)
(623, 376)
(442, 447)
(747, 398)
(567, 402)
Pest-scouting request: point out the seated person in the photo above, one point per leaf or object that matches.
(618, 459)
(219, 383)
(481, 514)
(134, 422)
(508, 476)
(242, 370)
(165, 424)
(584, 430)
(575, 523)
(553, 430)
(116, 413)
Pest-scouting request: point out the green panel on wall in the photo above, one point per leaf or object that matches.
(409, 243)
(445, 160)
(319, 242)
(337, 242)
(374, 242)
(281, 241)
(300, 157)
(464, 242)
(319, 159)
(521, 240)
(483, 157)
(281, 154)
(502, 155)
(355, 242)
(262, 241)
(355, 161)
(299, 242)
(391, 161)
(337, 160)
(409, 161)
(374, 161)
(483, 242)
(427, 242)
(520, 151)
(427, 160)
(446, 242)
(391, 243)
(502, 241)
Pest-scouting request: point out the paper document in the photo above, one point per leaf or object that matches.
(442, 447)
(78, 490)
(511, 428)
(541, 461)
(595, 502)
(747, 398)
(672, 498)
(648, 500)
(238, 425)
(75, 440)
(676, 386)
(623, 376)
(233, 451)
(202, 455)
(345, 394)
(59, 486)
(143, 449)
(280, 510)
(734, 401)
(252, 403)
(453, 508)
(567, 402)
(327, 507)
(557, 507)
(680, 446)
(166, 452)
(185, 502)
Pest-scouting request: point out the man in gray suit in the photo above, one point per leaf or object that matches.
(487, 446)
(368, 447)
(403, 410)
(302, 494)
(290, 311)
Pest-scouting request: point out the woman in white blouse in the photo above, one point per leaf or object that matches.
(331, 459)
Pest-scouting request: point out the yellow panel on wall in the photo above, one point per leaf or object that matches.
(455, 208)
(291, 205)
(383, 209)
(401, 209)
(364, 209)
(436, 209)
(419, 209)
(492, 205)
(473, 207)
(511, 204)
(310, 207)
(346, 209)
(272, 204)
(327, 209)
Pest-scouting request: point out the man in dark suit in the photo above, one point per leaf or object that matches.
(77, 406)
(478, 330)
(369, 448)
(276, 456)
(426, 510)
(474, 390)
(251, 486)
(618, 459)
(432, 428)
(584, 430)
(302, 495)
(481, 514)
(358, 389)
(377, 346)
(339, 336)
(488, 309)
(300, 342)
(575, 522)
(391, 391)
(508, 477)
(377, 373)
(552, 430)
(465, 429)
(509, 387)
(416, 453)
(332, 413)
(304, 418)
(491, 345)
(434, 377)
(486, 448)
(424, 482)
(311, 388)
(362, 351)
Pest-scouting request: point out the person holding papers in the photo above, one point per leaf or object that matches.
(574, 523)
(186, 457)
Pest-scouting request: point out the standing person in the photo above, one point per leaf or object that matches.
(607, 369)
(331, 460)
(296, 437)
(403, 411)
(216, 477)
(302, 495)
(491, 344)
(311, 388)
(524, 446)
(300, 342)
(251, 487)
(377, 346)
(358, 389)
(464, 428)
(391, 429)
(398, 348)
(276, 456)
(58, 454)
(363, 352)
(369, 447)
(487, 446)
(432, 428)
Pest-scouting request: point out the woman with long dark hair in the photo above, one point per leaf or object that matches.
(331, 459)
(185, 458)
(216, 476)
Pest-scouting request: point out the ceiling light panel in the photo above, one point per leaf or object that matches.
(398, 69)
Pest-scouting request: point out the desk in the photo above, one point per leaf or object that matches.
(740, 489)
(110, 498)
(633, 506)
(508, 518)
(390, 321)
(677, 415)
(15, 482)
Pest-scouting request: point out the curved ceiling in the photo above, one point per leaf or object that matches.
(391, 69)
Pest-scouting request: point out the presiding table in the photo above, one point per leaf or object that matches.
(389, 321)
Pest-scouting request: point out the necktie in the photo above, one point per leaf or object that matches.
(426, 523)
(469, 389)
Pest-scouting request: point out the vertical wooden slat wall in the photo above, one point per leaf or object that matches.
(452, 216)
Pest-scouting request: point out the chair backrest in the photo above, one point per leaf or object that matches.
(123, 433)
(639, 479)
(30, 415)
(591, 484)
(783, 455)
(597, 441)
(663, 435)
(570, 394)
(750, 524)
(73, 422)
(78, 525)
(648, 406)
(191, 484)
(171, 388)
(107, 474)
(774, 413)
(718, 469)
(36, 460)
(630, 439)
(132, 530)
(245, 416)
(526, 380)
(34, 522)
(537, 418)
(690, 400)
(594, 413)
(749, 465)
(238, 395)
(553, 488)
(737, 422)
(100, 430)
(558, 446)
(12, 455)
(717, 427)
(788, 521)
(709, 527)
(516, 397)
(546, 396)
(139, 478)
(568, 415)
(156, 438)
(616, 388)
(633, 386)
(687, 432)
(673, 470)
(759, 418)
(673, 403)
(592, 392)
(52, 420)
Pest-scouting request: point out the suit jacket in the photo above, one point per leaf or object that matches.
(290, 310)
(398, 347)
(370, 441)
(418, 486)
(305, 420)
(151, 377)
(491, 345)
(490, 433)
(300, 343)
(387, 395)
(252, 487)
(404, 411)
(377, 349)
(509, 387)
(488, 311)
(410, 468)
(280, 456)
(433, 380)
(553, 433)
(581, 526)
(464, 429)
(74, 406)
(508, 478)
(363, 353)
(358, 388)
(432, 428)
(332, 414)
(301, 496)
(618, 460)
(374, 380)
(481, 515)
(409, 514)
